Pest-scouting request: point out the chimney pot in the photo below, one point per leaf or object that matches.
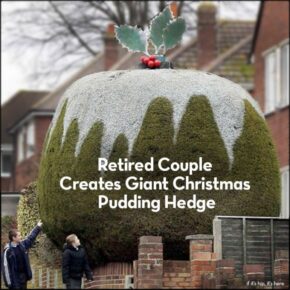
(174, 8)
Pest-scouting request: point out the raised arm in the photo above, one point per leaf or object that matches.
(29, 240)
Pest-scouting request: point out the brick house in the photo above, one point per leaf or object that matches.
(270, 55)
(22, 134)
(225, 55)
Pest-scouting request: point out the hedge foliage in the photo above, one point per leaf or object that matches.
(112, 235)
(27, 217)
(7, 223)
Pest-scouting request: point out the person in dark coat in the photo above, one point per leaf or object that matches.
(74, 263)
(15, 263)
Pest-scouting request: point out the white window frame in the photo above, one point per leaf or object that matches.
(284, 101)
(20, 145)
(26, 141)
(284, 171)
(30, 139)
(275, 100)
(6, 148)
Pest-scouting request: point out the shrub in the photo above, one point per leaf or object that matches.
(112, 235)
(27, 217)
(7, 223)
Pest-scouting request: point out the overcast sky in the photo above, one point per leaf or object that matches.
(15, 70)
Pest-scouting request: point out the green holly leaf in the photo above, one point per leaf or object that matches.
(157, 25)
(132, 38)
(172, 33)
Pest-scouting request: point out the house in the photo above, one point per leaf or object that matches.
(270, 55)
(21, 149)
(220, 47)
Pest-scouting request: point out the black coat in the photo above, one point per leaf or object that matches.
(9, 265)
(75, 264)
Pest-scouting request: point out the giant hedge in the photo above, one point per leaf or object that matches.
(138, 114)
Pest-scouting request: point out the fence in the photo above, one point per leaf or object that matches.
(250, 240)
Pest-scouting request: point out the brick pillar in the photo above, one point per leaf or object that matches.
(254, 275)
(150, 263)
(202, 259)
(225, 273)
(281, 270)
(206, 34)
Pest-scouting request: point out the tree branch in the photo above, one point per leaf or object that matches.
(71, 29)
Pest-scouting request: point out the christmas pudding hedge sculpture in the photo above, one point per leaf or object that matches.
(142, 113)
(139, 114)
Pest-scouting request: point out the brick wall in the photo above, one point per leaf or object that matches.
(27, 170)
(6, 184)
(176, 275)
(111, 276)
(202, 271)
(274, 28)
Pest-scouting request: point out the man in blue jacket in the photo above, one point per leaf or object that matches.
(15, 261)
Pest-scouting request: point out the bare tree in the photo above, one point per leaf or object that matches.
(68, 33)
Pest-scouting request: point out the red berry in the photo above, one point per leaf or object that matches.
(145, 61)
(142, 59)
(151, 64)
(152, 57)
(157, 63)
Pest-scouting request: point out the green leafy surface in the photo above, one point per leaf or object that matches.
(157, 26)
(173, 33)
(132, 38)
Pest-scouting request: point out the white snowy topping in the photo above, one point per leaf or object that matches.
(120, 100)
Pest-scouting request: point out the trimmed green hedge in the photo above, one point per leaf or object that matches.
(112, 235)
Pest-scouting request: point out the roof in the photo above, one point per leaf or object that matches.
(234, 66)
(15, 109)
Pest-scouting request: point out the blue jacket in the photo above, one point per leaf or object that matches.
(9, 265)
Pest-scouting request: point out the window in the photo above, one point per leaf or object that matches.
(270, 82)
(26, 142)
(285, 192)
(284, 75)
(277, 78)
(20, 146)
(6, 163)
(30, 140)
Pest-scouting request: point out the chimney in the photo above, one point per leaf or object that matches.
(206, 34)
(111, 47)
(174, 8)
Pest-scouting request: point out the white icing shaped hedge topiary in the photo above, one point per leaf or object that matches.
(181, 114)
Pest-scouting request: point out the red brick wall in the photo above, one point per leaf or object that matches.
(274, 28)
(26, 171)
(6, 184)
(278, 123)
(176, 275)
(41, 126)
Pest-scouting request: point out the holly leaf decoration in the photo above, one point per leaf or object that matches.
(132, 38)
(172, 33)
(157, 26)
